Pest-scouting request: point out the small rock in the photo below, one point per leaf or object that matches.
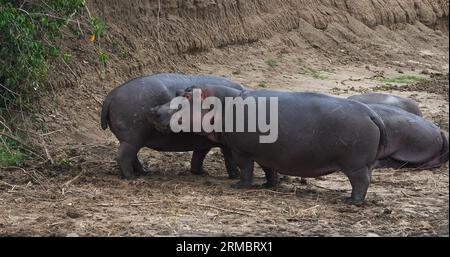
(399, 70)
(372, 235)
(387, 211)
(72, 235)
(73, 214)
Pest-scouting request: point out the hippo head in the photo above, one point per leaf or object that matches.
(181, 110)
(197, 109)
(160, 116)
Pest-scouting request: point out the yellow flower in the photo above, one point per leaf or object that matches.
(92, 38)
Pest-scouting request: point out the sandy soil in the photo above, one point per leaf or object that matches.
(84, 196)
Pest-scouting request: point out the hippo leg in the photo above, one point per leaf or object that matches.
(360, 180)
(127, 157)
(246, 166)
(230, 164)
(271, 177)
(137, 167)
(198, 157)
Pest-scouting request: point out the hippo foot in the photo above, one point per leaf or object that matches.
(269, 185)
(234, 175)
(128, 176)
(352, 201)
(139, 173)
(200, 172)
(240, 185)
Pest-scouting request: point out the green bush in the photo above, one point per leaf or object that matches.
(98, 25)
(9, 153)
(27, 37)
(29, 31)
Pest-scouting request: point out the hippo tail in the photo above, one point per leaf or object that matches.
(444, 155)
(383, 134)
(105, 113)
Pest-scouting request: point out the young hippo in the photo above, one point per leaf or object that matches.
(317, 135)
(126, 108)
(412, 141)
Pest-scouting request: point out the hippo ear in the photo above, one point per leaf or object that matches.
(187, 93)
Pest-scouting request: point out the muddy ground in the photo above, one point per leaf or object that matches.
(84, 196)
(320, 46)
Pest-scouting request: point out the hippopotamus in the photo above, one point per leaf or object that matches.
(412, 141)
(404, 103)
(125, 110)
(318, 135)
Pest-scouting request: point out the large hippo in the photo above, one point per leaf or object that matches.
(404, 103)
(318, 135)
(125, 110)
(412, 141)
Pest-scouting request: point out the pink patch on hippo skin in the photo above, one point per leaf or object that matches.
(213, 137)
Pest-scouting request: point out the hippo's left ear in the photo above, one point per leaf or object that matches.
(191, 89)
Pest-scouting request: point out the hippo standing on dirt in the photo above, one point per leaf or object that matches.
(318, 135)
(404, 103)
(412, 141)
(126, 109)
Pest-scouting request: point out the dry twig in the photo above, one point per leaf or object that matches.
(225, 210)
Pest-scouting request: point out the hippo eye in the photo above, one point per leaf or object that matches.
(188, 96)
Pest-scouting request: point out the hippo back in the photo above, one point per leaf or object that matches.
(139, 94)
(177, 80)
(404, 103)
(410, 138)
